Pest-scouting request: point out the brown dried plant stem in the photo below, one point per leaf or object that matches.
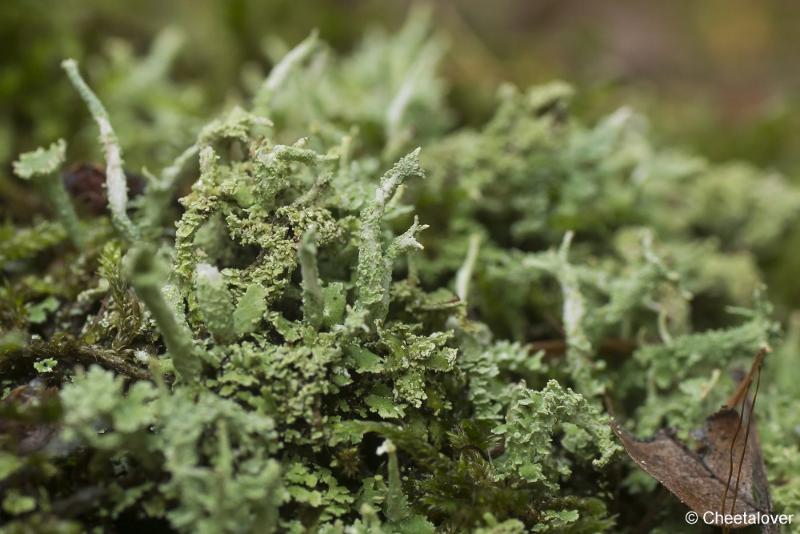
(740, 396)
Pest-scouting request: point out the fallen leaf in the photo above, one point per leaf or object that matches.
(727, 466)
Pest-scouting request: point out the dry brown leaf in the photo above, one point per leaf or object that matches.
(727, 466)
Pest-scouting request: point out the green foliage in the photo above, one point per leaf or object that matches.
(282, 353)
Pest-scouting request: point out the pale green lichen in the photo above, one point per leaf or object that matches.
(282, 354)
(116, 182)
(313, 298)
(215, 302)
(374, 265)
(43, 165)
(281, 71)
(532, 419)
(250, 309)
(147, 273)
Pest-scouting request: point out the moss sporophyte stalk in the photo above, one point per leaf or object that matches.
(357, 318)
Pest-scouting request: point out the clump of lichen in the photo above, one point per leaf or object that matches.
(336, 331)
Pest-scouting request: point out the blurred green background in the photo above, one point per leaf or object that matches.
(715, 77)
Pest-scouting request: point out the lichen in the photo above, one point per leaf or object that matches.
(283, 349)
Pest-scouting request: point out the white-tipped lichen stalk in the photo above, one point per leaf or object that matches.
(313, 299)
(116, 183)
